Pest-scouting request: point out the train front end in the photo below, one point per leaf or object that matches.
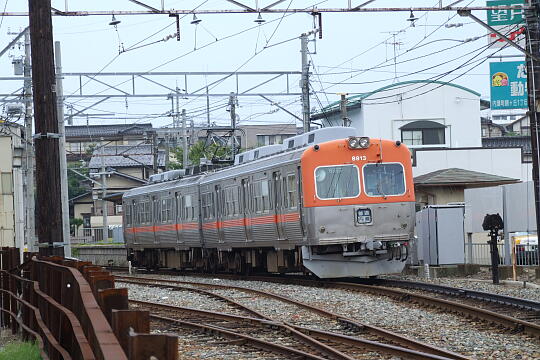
(360, 206)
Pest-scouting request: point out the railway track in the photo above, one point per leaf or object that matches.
(514, 314)
(347, 339)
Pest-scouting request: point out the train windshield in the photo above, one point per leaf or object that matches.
(337, 182)
(384, 179)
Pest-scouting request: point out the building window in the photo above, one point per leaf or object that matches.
(423, 133)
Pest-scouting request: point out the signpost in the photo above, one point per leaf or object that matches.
(508, 22)
(508, 85)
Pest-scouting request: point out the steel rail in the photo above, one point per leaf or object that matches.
(457, 292)
(326, 350)
(377, 331)
(511, 323)
(344, 339)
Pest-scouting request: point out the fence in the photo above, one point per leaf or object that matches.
(526, 255)
(92, 235)
(72, 310)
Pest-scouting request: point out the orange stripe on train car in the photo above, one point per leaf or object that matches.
(261, 220)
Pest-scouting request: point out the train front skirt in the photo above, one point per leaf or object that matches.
(337, 265)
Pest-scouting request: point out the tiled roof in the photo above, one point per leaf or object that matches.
(97, 131)
(126, 156)
(509, 141)
(455, 176)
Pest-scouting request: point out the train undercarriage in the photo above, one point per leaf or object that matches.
(322, 261)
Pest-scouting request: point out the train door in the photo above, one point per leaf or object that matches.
(246, 209)
(278, 203)
(219, 212)
(301, 209)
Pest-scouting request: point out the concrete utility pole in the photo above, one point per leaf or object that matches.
(207, 107)
(305, 81)
(533, 85)
(232, 103)
(30, 205)
(155, 151)
(104, 205)
(343, 108)
(184, 140)
(49, 209)
(62, 148)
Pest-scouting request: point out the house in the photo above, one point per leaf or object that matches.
(446, 186)
(82, 139)
(491, 129)
(125, 167)
(419, 113)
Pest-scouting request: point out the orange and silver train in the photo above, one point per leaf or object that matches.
(324, 202)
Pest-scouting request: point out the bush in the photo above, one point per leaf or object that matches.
(20, 351)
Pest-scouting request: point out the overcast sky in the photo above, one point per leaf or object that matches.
(351, 43)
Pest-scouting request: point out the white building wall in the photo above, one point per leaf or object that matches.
(502, 162)
(385, 112)
(11, 191)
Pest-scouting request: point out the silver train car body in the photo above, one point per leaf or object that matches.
(336, 208)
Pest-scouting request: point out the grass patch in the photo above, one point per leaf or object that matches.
(20, 351)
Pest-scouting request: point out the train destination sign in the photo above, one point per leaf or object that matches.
(508, 85)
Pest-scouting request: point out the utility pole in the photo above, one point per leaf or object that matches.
(343, 107)
(305, 81)
(207, 107)
(62, 148)
(184, 140)
(49, 210)
(104, 205)
(533, 85)
(232, 103)
(155, 152)
(30, 205)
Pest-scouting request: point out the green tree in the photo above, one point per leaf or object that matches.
(198, 151)
(77, 184)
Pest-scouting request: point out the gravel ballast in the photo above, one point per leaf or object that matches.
(469, 337)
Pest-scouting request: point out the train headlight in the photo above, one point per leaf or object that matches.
(364, 142)
(353, 142)
(358, 142)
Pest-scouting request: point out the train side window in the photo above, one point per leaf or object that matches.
(265, 195)
(205, 206)
(187, 207)
(292, 187)
(163, 210)
(257, 196)
(128, 214)
(236, 200)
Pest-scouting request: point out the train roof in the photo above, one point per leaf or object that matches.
(169, 185)
(289, 152)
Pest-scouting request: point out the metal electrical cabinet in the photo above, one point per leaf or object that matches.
(441, 236)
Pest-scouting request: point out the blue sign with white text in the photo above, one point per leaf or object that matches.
(508, 85)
